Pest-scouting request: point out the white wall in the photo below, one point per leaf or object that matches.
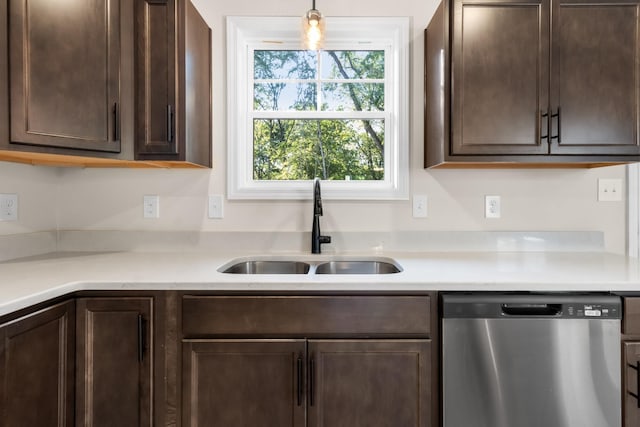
(537, 199)
(37, 189)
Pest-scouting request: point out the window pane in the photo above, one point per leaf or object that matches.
(284, 64)
(284, 97)
(352, 64)
(329, 149)
(353, 96)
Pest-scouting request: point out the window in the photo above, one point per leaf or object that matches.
(339, 113)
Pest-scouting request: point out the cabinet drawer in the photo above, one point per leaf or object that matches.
(308, 316)
(631, 316)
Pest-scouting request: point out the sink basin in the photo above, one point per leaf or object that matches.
(268, 267)
(260, 265)
(357, 267)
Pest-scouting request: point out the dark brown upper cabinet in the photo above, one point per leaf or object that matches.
(105, 83)
(532, 82)
(64, 74)
(173, 82)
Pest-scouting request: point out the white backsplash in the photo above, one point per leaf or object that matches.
(297, 242)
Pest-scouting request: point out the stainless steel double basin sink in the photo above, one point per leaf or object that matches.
(326, 266)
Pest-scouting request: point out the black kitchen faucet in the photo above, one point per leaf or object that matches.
(316, 238)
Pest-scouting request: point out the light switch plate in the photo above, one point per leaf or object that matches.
(8, 207)
(609, 190)
(419, 206)
(216, 206)
(151, 206)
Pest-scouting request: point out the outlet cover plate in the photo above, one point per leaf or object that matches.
(492, 206)
(8, 207)
(151, 206)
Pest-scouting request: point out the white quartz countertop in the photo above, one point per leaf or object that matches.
(28, 281)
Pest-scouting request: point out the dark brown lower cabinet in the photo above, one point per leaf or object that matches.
(113, 362)
(36, 374)
(336, 383)
(365, 383)
(244, 383)
(631, 398)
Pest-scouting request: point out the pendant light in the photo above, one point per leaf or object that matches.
(313, 28)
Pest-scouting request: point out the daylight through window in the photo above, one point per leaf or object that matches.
(339, 114)
(334, 124)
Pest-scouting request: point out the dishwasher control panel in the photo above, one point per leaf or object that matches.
(510, 306)
(592, 310)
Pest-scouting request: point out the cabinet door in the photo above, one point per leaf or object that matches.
(113, 378)
(65, 73)
(156, 76)
(500, 77)
(595, 77)
(631, 384)
(243, 383)
(36, 373)
(369, 383)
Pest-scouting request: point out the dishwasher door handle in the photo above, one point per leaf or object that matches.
(531, 309)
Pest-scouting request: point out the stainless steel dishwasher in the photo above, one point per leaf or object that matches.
(531, 360)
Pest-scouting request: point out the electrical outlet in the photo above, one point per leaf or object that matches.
(419, 206)
(609, 190)
(492, 206)
(8, 207)
(216, 206)
(151, 206)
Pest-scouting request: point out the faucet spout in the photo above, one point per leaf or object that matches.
(317, 198)
(317, 239)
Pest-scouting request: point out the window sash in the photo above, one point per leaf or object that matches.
(246, 34)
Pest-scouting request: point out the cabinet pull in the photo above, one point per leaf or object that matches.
(140, 338)
(312, 368)
(116, 125)
(559, 135)
(543, 116)
(169, 123)
(299, 380)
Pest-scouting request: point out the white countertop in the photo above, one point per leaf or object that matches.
(28, 281)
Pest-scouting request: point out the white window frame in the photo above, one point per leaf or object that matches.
(246, 34)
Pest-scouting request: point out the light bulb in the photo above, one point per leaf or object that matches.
(313, 29)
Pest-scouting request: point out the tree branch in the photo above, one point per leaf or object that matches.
(356, 102)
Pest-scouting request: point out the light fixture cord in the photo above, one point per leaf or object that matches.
(313, 4)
